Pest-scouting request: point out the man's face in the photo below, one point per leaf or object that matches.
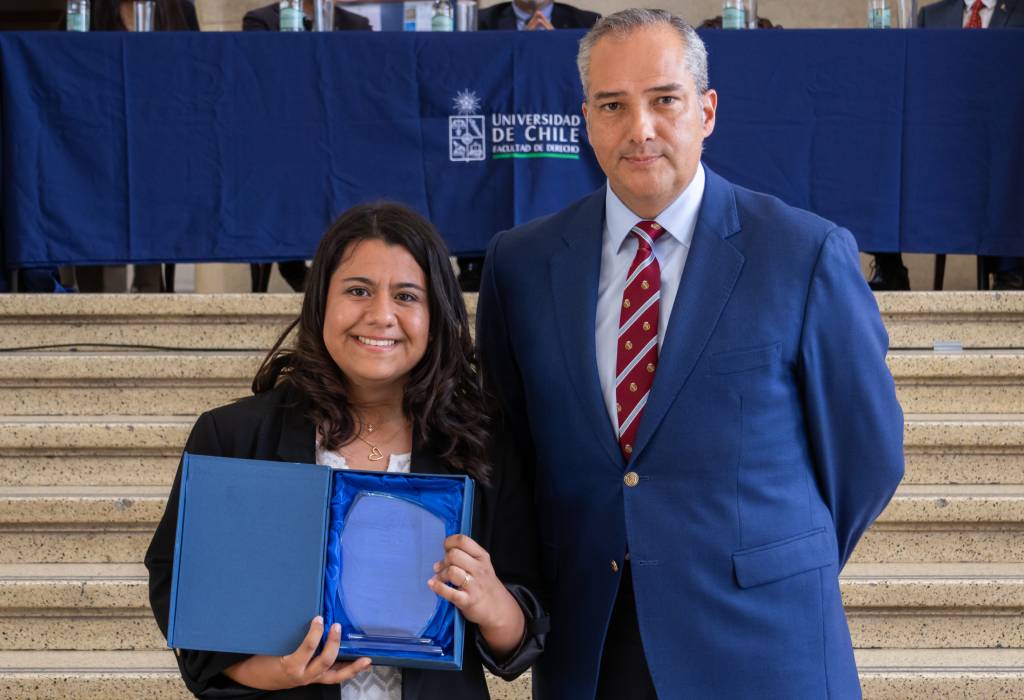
(645, 120)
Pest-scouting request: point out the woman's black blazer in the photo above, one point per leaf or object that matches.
(272, 426)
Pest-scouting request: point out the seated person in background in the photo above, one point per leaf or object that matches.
(535, 14)
(716, 23)
(382, 376)
(889, 271)
(522, 15)
(268, 19)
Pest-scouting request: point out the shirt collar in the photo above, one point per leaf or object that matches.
(522, 17)
(679, 218)
(988, 3)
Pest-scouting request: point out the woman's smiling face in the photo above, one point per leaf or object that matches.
(377, 316)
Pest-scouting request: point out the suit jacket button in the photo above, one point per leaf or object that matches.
(631, 479)
(615, 567)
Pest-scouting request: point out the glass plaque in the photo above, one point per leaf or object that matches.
(388, 548)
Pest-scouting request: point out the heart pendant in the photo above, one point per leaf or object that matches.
(375, 455)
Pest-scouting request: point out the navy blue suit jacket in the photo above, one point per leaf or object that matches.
(771, 440)
(949, 14)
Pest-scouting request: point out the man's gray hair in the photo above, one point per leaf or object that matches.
(627, 21)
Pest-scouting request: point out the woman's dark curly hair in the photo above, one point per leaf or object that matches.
(443, 398)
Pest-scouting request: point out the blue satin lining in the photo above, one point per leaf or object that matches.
(442, 497)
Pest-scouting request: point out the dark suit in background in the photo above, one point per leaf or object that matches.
(268, 19)
(949, 14)
(502, 16)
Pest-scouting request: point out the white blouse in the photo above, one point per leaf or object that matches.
(380, 682)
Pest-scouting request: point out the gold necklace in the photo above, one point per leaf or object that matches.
(375, 454)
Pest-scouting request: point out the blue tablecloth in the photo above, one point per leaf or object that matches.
(243, 147)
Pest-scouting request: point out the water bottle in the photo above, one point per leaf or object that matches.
(291, 16)
(879, 14)
(907, 13)
(734, 15)
(323, 15)
(78, 15)
(144, 10)
(444, 17)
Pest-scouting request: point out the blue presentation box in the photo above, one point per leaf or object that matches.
(258, 555)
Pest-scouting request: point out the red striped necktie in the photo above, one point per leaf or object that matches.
(974, 19)
(637, 351)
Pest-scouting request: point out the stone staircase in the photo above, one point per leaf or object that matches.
(98, 393)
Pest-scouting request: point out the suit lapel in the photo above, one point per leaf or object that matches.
(575, 273)
(712, 268)
(952, 14)
(1001, 13)
(560, 18)
(507, 19)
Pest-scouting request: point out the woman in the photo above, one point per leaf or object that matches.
(382, 376)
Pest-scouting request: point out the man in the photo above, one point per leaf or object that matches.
(1008, 273)
(673, 353)
(521, 15)
(972, 14)
(535, 14)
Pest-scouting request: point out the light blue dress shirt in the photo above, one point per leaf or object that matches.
(618, 249)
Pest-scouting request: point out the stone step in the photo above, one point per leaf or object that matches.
(939, 448)
(974, 319)
(36, 383)
(968, 382)
(928, 523)
(965, 674)
(964, 449)
(145, 321)
(244, 321)
(127, 383)
(144, 450)
(923, 523)
(928, 606)
(124, 450)
(886, 674)
(90, 675)
(91, 451)
(78, 524)
(105, 606)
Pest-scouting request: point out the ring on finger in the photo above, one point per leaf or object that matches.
(466, 581)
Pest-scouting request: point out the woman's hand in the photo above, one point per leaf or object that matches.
(479, 594)
(300, 667)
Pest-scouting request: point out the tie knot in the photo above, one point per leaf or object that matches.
(647, 232)
(977, 5)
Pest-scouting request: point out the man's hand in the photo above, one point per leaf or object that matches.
(538, 21)
(300, 667)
